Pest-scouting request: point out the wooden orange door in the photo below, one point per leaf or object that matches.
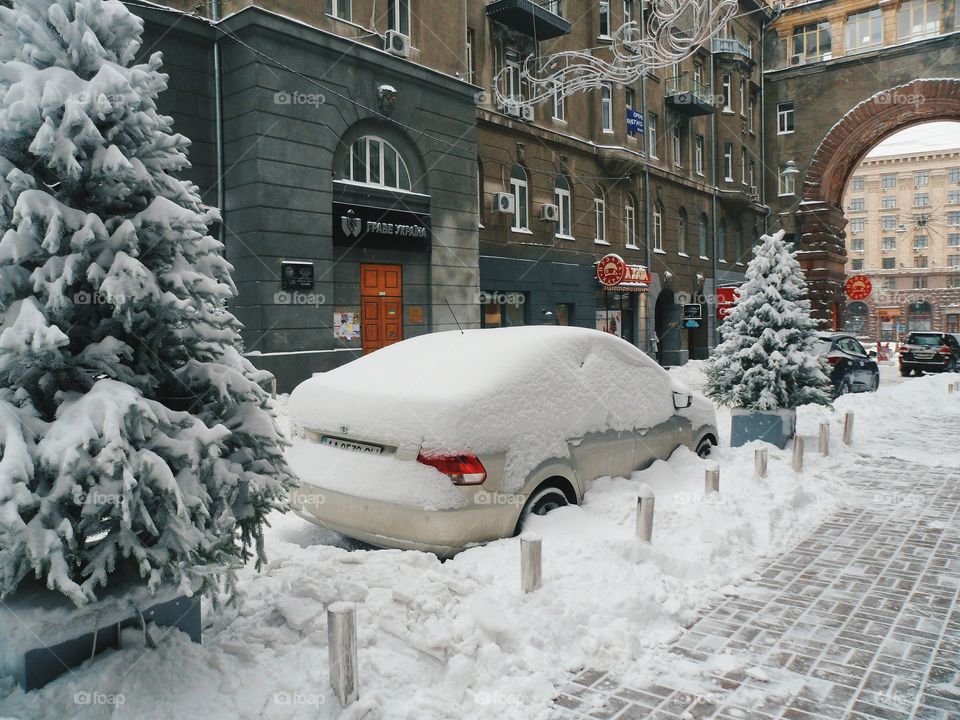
(381, 306)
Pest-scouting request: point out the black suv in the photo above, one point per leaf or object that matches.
(852, 369)
(930, 351)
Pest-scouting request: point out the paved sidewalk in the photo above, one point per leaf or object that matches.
(860, 620)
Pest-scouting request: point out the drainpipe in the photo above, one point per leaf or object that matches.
(218, 118)
(713, 154)
(646, 181)
(763, 133)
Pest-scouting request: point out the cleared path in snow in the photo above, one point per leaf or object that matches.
(860, 620)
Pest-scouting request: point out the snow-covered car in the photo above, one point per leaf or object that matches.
(452, 439)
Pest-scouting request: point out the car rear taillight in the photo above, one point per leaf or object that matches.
(945, 350)
(461, 469)
(834, 359)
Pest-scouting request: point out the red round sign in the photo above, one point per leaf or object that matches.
(858, 287)
(611, 270)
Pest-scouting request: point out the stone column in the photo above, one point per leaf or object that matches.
(823, 256)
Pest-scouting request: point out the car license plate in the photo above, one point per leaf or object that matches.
(352, 446)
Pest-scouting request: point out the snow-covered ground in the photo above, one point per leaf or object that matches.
(458, 639)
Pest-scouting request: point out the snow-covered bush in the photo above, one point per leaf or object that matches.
(766, 359)
(136, 440)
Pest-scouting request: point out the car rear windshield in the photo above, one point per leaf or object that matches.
(925, 340)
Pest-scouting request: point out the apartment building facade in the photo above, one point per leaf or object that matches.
(903, 233)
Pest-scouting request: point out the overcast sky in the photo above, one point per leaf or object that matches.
(928, 136)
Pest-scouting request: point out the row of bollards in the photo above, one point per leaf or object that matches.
(955, 385)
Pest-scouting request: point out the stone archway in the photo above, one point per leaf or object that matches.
(820, 220)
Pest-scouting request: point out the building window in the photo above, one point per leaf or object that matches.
(471, 59)
(604, 18)
(752, 177)
(630, 98)
(743, 166)
(726, 94)
(374, 161)
(520, 190)
(513, 75)
(698, 155)
(889, 181)
(857, 184)
(920, 241)
(888, 263)
(919, 282)
(953, 218)
(702, 235)
(600, 217)
(399, 13)
(501, 314)
(918, 19)
(342, 9)
(953, 321)
(682, 232)
(857, 225)
(751, 112)
(920, 262)
(728, 162)
(479, 194)
(606, 107)
(856, 264)
(561, 197)
(888, 222)
(630, 222)
(677, 146)
(953, 197)
(785, 118)
(627, 11)
(858, 205)
(856, 244)
(722, 241)
(953, 175)
(787, 182)
(657, 226)
(863, 31)
(953, 260)
(810, 42)
(889, 202)
(953, 240)
(743, 98)
(652, 135)
(921, 178)
(559, 104)
(921, 199)
(888, 243)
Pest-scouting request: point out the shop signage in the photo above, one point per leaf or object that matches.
(296, 275)
(691, 311)
(614, 272)
(726, 297)
(692, 324)
(858, 287)
(357, 224)
(634, 122)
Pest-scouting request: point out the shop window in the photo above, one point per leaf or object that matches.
(503, 309)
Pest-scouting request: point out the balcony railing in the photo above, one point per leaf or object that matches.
(539, 20)
(688, 96)
(731, 46)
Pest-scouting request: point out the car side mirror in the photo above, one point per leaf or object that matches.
(681, 401)
(872, 353)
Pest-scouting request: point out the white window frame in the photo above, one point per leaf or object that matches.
(682, 232)
(600, 217)
(521, 199)
(703, 236)
(606, 107)
(401, 170)
(603, 7)
(677, 147)
(471, 69)
(743, 165)
(627, 11)
(340, 9)
(727, 86)
(856, 24)
(630, 224)
(398, 12)
(652, 135)
(559, 104)
(786, 119)
(562, 199)
(657, 227)
(786, 183)
(728, 162)
(698, 154)
(743, 94)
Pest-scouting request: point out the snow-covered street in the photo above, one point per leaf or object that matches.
(458, 639)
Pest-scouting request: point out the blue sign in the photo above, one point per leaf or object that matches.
(692, 324)
(634, 121)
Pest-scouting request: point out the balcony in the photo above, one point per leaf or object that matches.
(688, 97)
(535, 19)
(731, 49)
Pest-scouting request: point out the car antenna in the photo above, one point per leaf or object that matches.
(454, 316)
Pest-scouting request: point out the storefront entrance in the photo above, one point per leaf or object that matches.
(381, 306)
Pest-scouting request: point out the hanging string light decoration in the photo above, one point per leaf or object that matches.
(673, 31)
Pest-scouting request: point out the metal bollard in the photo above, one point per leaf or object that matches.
(273, 388)
(760, 462)
(645, 504)
(797, 453)
(531, 559)
(824, 438)
(342, 642)
(847, 428)
(711, 481)
(950, 388)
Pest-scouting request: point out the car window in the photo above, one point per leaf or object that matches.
(857, 347)
(927, 340)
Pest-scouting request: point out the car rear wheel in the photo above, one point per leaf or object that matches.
(844, 387)
(905, 372)
(875, 385)
(541, 502)
(704, 447)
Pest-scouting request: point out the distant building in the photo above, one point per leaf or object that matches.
(903, 232)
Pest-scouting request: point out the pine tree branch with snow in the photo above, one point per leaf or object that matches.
(766, 360)
(136, 439)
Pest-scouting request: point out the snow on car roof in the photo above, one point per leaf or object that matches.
(522, 389)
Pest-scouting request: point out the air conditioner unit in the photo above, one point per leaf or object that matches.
(511, 110)
(527, 113)
(504, 203)
(798, 59)
(549, 213)
(397, 43)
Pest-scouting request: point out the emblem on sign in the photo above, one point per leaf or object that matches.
(858, 287)
(352, 225)
(611, 270)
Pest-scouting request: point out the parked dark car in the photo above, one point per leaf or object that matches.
(852, 369)
(929, 352)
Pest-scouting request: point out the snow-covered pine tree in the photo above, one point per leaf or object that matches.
(765, 360)
(136, 440)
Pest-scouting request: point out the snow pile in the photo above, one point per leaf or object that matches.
(767, 358)
(447, 392)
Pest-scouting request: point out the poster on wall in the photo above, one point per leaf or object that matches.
(346, 325)
(610, 321)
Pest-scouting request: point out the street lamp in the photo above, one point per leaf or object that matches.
(790, 169)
